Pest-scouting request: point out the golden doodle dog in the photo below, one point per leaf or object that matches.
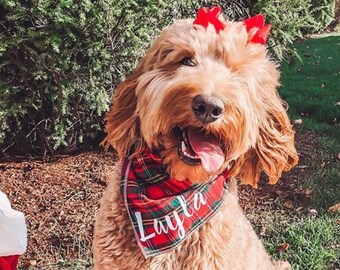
(200, 110)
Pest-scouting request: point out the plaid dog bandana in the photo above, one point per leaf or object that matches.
(162, 210)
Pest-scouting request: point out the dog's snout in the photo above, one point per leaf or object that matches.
(207, 109)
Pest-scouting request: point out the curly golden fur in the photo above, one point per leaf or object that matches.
(254, 129)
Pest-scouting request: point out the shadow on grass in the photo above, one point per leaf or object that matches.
(312, 89)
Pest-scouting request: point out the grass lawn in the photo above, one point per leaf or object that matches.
(309, 236)
(312, 89)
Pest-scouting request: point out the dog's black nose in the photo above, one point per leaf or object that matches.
(207, 109)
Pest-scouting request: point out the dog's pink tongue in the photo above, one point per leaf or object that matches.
(208, 150)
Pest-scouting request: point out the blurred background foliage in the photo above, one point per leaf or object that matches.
(60, 60)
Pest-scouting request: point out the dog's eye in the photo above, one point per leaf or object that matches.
(187, 61)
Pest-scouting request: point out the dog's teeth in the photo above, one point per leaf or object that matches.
(183, 146)
(188, 155)
(185, 152)
(185, 138)
(229, 166)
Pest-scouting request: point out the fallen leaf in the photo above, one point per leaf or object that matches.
(288, 204)
(334, 246)
(334, 208)
(283, 247)
(29, 263)
(308, 192)
(313, 212)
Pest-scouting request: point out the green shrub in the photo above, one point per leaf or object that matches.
(323, 12)
(292, 19)
(59, 62)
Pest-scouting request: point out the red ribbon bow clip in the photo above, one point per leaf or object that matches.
(206, 16)
(262, 32)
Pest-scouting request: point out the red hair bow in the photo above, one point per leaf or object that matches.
(262, 32)
(206, 16)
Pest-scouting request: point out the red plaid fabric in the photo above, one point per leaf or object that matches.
(162, 210)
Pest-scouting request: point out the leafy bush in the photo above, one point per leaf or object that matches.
(61, 60)
(289, 19)
(323, 12)
(292, 19)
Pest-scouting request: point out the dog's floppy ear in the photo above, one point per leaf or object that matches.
(121, 120)
(274, 151)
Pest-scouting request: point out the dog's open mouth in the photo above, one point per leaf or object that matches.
(196, 147)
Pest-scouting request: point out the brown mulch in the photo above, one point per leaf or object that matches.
(59, 197)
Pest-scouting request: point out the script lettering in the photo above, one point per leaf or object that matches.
(141, 228)
(173, 221)
(199, 200)
(183, 203)
(181, 230)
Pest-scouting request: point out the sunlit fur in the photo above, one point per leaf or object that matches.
(254, 129)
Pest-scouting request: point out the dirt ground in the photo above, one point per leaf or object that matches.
(60, 195)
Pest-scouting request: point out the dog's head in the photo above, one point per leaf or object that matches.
(206, 99)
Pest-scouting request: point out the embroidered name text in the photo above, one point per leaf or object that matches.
(173, 221)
